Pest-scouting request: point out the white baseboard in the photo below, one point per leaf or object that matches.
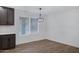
(50, 38)
(63, 42)
(27, 41)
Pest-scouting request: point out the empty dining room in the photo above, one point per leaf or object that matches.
(39, 29)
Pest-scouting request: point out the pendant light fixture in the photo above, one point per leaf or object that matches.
(40, 19)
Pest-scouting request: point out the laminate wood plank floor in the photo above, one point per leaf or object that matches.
(42, 46)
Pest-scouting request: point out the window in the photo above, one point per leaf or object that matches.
(34, 25)
(24, 25)
(28, 26)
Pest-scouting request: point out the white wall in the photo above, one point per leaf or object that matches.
(32, 37)
(8, 29)
(63, 26)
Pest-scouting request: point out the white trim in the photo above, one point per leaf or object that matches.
(29, 26)
(38, 26)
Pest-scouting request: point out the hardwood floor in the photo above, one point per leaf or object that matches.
(42, 46)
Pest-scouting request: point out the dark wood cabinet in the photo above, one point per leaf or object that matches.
(10, 16)
(3, 16)
(4, 42)
(11, 41)
(7, 41)
(6, 16)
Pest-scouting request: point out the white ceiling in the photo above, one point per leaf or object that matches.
(45, 9)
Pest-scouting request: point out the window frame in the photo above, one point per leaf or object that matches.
(21, 27)
(29, 32)
(37, 26)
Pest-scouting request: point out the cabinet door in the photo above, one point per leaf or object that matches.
(12, 41)
(10, 16)
(0, 42)
(5, 42)
(3, 16)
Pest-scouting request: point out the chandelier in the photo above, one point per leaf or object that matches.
(40, 19)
